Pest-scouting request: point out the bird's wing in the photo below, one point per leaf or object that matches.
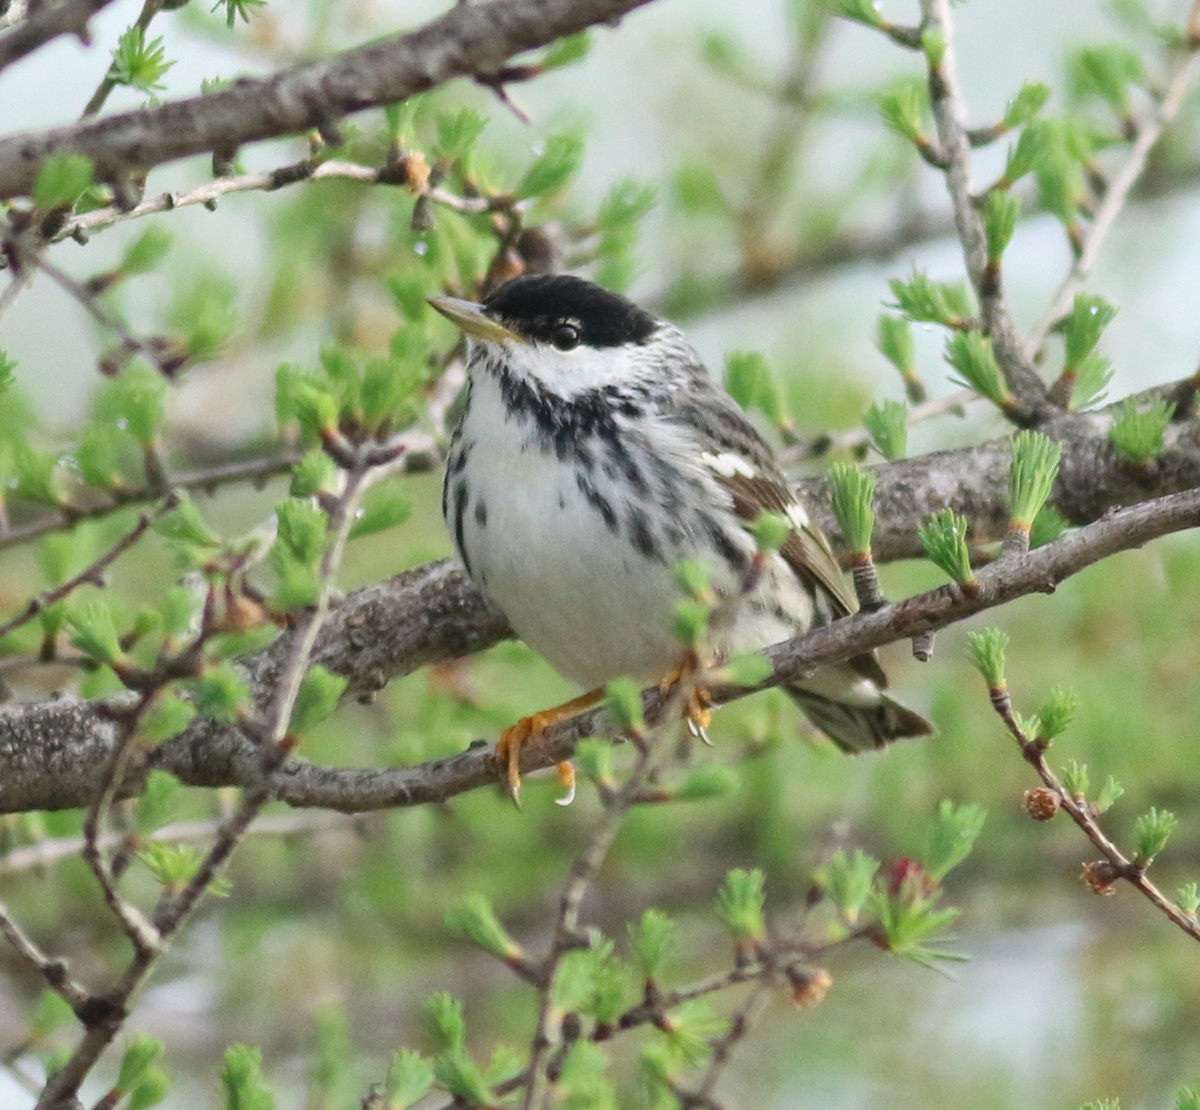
(743, 463)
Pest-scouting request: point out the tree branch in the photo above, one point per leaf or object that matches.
(70, 17)
(470, 40)
(49, 753)
(950, 114)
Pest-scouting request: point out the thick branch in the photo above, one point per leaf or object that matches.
(49, 754)
(69, 17)
(471, 39)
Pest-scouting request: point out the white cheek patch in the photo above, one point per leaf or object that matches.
(728, 465)
(581, 370)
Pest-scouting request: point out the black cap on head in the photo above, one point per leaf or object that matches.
(534, 306)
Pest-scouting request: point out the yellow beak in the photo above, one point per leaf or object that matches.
(470, 318)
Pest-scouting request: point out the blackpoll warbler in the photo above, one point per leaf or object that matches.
(593, 454)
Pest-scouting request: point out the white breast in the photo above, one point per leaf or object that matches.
(573, 589)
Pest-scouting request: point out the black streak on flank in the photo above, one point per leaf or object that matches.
(460, 511)
(534, 306)
(598, 501)
(642, 536)
(481, 513)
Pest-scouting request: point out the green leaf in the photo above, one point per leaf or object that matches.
(848, 881)
(151, 1089)
(1109, 793)
(694, 577)
(240, 1080)
(238, 9)
(137, 63)
(970, 353)
(858, 11)
(205, 312)
(475, 920)
(1092, 380)
(302, 530)
(220, 692)
(698, 192)
(1188, 897)
(409, 1078)
(1090, 315)
(61, 181)
(895, 342)
(853, 491)
(147, 251)
(444, 1022)
(887, 424)
(925, 301)
(944, 537)
(315, 473)
(691, 621)
(903, 111)
(1106, 72)
(1031, 99)
(1139, 434)
(167, 716)
(158, 801)
(185, 525)
(557, 164)
(461, 1076)
(713, 780)
(1001, 211)
(566, 51)
(1035, 148)
(752, 385)
(95, 633)
(383, 507)
(1151, 832)
(623, 696)
(137, 1059)
(952, 836)
(457, 132)
(1057, 713)
(654, 941)
(176, 865)
(987, 655)
(320, 692)
(770, 531)
(1032, 476)
(747, 668)
(740, 905)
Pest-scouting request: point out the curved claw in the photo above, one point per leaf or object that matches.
(529, 730)
(566, 775)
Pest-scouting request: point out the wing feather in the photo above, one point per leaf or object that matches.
(743, 464)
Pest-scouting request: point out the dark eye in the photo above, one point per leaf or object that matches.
(565, 336)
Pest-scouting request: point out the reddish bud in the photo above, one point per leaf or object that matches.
(1041, 804)
(1101, 876)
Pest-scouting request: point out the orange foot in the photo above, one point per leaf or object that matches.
(528, 730)
(697, 700)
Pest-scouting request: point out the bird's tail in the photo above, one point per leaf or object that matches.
(860, 728)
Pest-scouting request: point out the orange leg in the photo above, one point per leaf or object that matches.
(697, 702)
(528, 730)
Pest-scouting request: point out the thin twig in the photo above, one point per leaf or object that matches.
(47, 853)
(274, 747)
(91, 575)
(260, 181)
(950, 114)
(54, 972)
(1080, 812)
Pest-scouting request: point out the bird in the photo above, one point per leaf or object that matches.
(593, 453)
